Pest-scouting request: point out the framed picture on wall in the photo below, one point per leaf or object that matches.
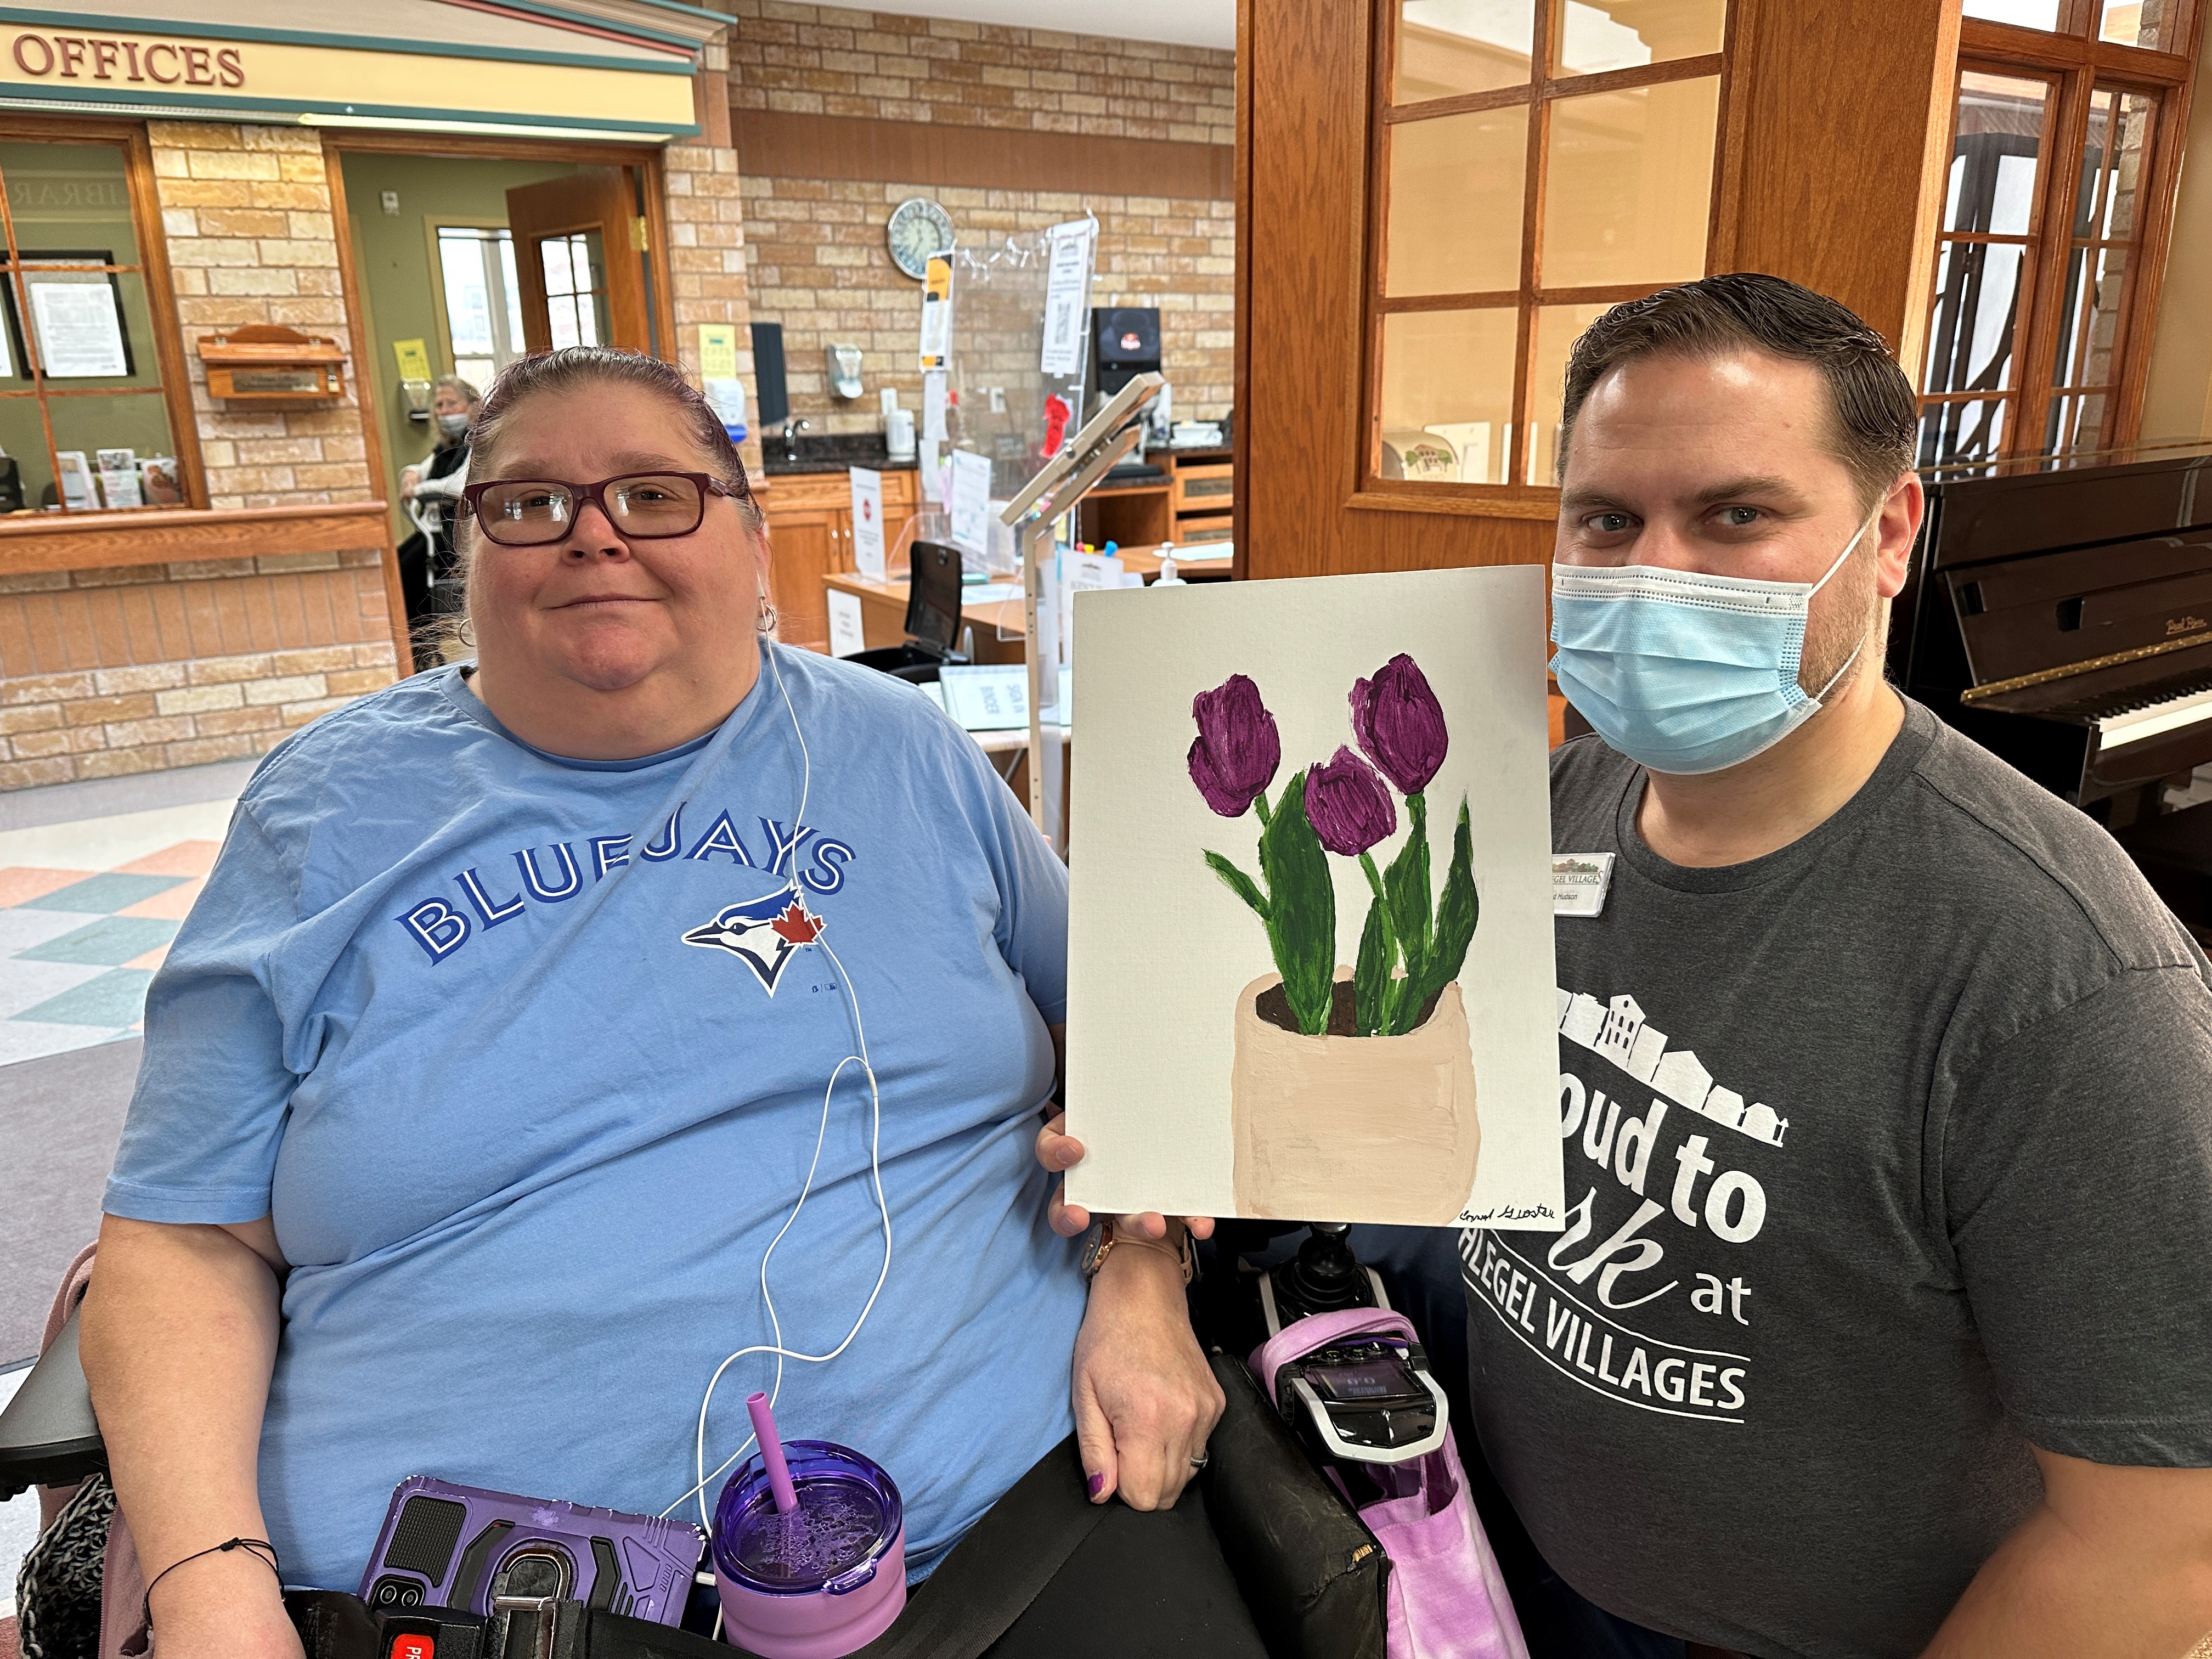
(77, 317)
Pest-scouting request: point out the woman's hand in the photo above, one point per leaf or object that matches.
(1058, 1152)
(409, 477)
(1145, 1398)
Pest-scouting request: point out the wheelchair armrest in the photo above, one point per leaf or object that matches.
(48, 1434)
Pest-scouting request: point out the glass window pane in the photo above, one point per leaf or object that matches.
(2089, 322)
(1557, 329)
(510, 348)
(90, 328)
(1456, 186)
(1449, 374)
(468, 298)
(2153, 23)
(2115, 153)
(560, 272)
(2077, 422)
(2027, 14)
(1993, 157)
(1629, 185)
(72, 198)
(137, 422)
(478, 372)
(1972, 334)
(1446, 47)
(561, 315)
(1597, 35)
(1954, 433)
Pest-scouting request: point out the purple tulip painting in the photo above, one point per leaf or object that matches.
(1407, 1075)
(1413, 944)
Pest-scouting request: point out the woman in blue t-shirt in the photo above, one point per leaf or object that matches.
(509, 1029)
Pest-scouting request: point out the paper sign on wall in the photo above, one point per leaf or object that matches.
(867, 522)
(1068, 288)
(718, 351)
(971, 501)
(933, 405)
(80, 330)
(1256, 755)
(937, 315)
(414, 359)
(846, 636)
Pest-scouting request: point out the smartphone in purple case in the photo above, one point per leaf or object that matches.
(459, 1546)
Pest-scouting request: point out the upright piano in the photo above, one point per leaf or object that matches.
(2061, 615)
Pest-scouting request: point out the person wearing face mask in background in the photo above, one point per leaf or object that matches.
(429, 574)
(1877, 1326)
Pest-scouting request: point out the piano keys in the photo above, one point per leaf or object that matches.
(2061, 615)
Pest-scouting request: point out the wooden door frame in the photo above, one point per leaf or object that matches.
(336, 144)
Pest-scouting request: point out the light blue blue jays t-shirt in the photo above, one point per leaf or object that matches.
(525, 1056)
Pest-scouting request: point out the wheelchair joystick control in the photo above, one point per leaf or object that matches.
(1324, 1277)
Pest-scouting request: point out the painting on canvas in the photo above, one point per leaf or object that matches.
(1310, 968)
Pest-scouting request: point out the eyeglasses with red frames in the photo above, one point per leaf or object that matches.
(641, 506)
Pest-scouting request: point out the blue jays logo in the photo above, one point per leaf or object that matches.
(764, 933)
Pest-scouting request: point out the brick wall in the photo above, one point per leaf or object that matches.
(146, 666)
(820, 267)
(247, 210)
(817, 261)
(827, 60)
(707, 254)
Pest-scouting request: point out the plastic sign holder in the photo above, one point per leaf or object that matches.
(1069, 475)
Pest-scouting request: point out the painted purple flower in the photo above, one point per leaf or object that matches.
(1349, 808)
(1238, 749)
(1400, 723)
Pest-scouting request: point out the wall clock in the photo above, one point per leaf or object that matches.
(919, 231)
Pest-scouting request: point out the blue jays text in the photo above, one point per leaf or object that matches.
(442, 928)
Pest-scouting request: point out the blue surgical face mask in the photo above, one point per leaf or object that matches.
(1682, 672)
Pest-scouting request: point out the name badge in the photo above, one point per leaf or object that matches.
(1580, 882)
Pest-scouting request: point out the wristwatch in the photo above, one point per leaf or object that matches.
(1105, 1236)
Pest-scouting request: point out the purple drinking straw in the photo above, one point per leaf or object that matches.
(771, 1450)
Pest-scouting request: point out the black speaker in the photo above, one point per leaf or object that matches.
(770, 391)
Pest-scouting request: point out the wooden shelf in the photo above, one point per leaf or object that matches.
(32, 542)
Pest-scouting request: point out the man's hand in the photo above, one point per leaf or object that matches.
(1059, 1152)
(1145, 1398)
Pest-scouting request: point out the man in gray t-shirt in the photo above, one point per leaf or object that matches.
(1880, 1324)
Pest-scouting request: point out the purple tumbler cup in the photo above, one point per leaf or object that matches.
(810, 1550)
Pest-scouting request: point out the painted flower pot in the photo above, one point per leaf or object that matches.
(1381, 1128)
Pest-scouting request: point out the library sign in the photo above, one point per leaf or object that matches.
(113, 58)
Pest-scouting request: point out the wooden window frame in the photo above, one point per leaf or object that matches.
(1513, 499)
(174, 385)
(2078, 65)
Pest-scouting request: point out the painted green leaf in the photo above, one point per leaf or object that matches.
(1238, 882)
(1302, 899)
(1456, 912)
(1406, 885)
(1371, 975)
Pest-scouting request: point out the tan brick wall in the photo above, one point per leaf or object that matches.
(246, 211)
(145, 667)
(707, 256)
(820, 267)
(827, 60)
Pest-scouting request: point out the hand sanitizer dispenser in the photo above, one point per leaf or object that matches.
(844, 369)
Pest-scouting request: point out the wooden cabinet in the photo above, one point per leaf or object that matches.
(810, 534)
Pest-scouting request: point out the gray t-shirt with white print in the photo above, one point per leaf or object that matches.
(1888, 1155)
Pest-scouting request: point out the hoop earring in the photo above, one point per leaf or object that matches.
(767, 617)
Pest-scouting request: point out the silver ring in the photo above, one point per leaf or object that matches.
(1199, 1461)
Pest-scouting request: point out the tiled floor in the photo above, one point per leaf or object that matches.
(87, 912)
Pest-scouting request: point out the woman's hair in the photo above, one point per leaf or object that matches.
(574, 368)
(467, 393)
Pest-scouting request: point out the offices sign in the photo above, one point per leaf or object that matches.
(122, 58)
(349, 80)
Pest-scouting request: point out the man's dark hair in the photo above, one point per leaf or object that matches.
(1874, 414)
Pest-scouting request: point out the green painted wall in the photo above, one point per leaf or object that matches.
(392, 255)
